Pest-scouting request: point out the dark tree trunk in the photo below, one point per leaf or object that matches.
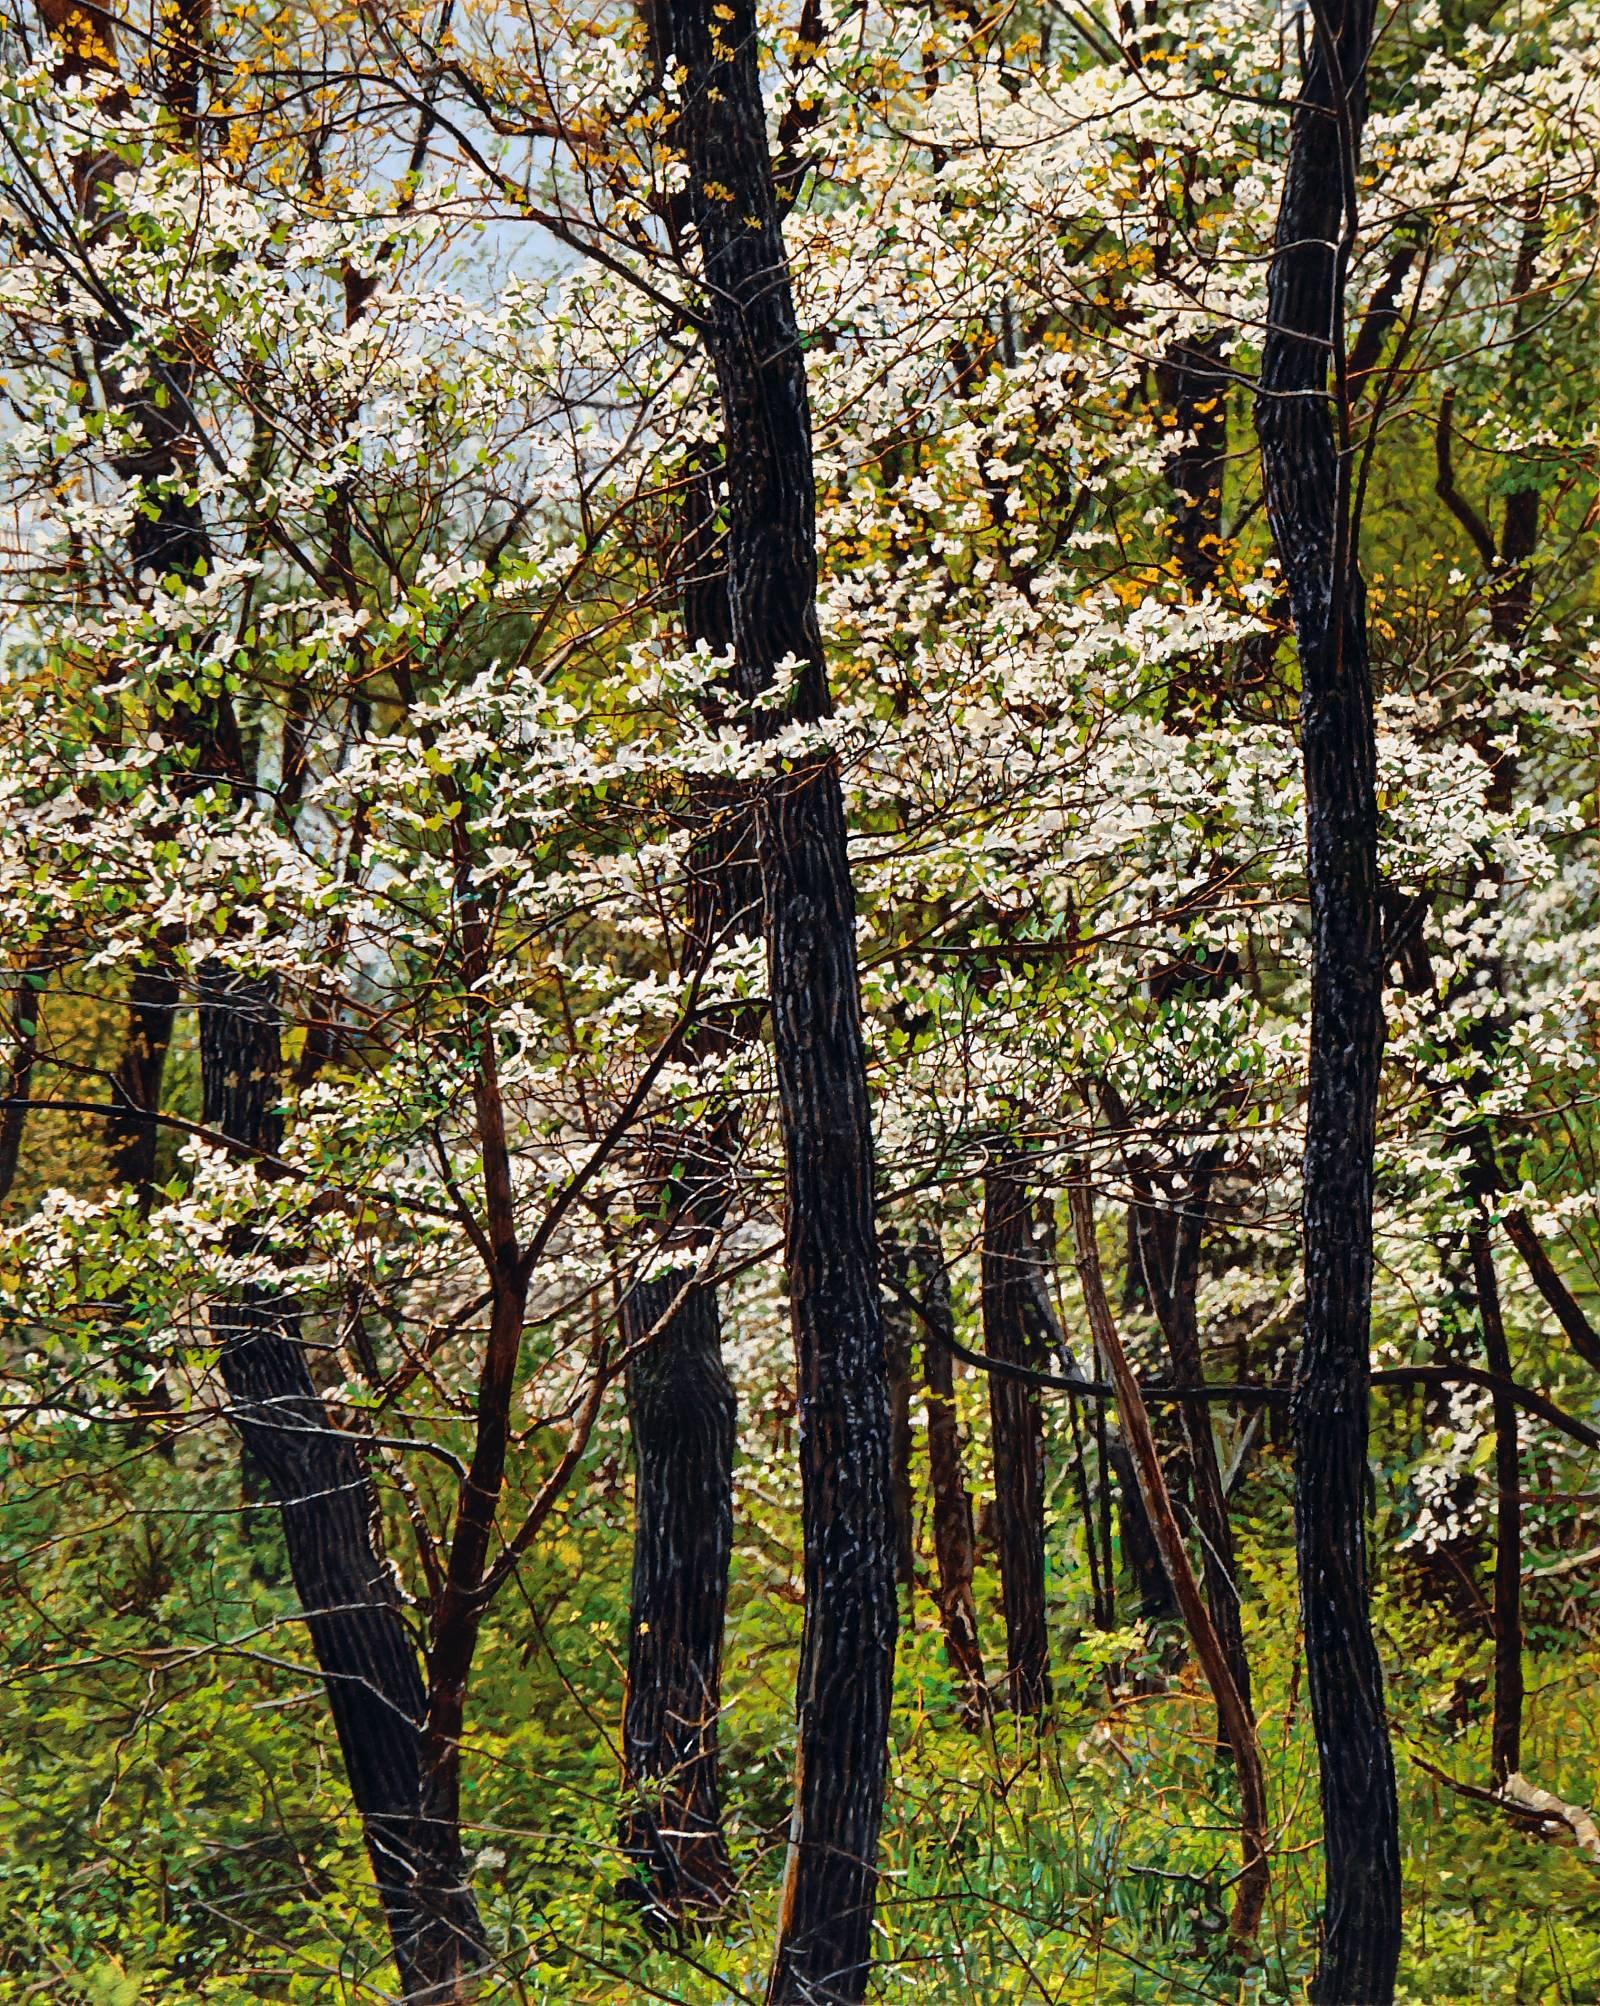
(953, 1541)
(314, 1473)
(681, 1409)
(897, 1340)
(847, 1651)
(27, 997)
(1193, 380)
(1172, 1292)
(1141, 1556)
(681, 1405)
(14, 1115)
(1165, 1241)
(1306, 479)
(1506, 1736)
(316, 1478)
(1016, 1423)
(133, 1132)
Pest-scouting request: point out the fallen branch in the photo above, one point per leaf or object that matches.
(1571, 1565)
(1525, 1802)
(1545, 1804)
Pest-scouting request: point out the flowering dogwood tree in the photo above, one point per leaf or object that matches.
(683, 686)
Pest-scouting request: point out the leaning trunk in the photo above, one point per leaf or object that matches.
(1173, 1290)
(316, 1478)
(1239, 1729)
(1306, 478)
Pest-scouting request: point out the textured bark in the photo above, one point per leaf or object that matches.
(1193, 381)
(1506, 1734)
(847, 1652)
(317, 1480)
(681, 1404)
(681, 1409)
(314, 1473)
(953, 1541)
(1306, 484)
(1172, 1290)
(1016, 1423)
(133, 1131)
(1238, 1727)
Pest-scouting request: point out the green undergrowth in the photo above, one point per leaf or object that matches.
(175, 1825)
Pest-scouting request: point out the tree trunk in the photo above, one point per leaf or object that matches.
(317, 1480)
(27, 998)
(1141, 1555)
(681, 1405)
(133, 1132)
(847, 1652)
(1172, 1292)
(314, 1473)
(1016, 1424)
(897, 1327)
(1306, 479)
(681, 1410)
(953, 1541)
(1193, 380)
(1506, 1735)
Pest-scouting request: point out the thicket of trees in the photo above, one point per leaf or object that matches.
(802, 1001)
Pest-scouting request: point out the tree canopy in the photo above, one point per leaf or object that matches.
(800, 940)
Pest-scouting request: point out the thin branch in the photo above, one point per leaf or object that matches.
(1444, 485)
(1158, 1394)
(1581, 1333)
(251, 1152)
(1231, 1708)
